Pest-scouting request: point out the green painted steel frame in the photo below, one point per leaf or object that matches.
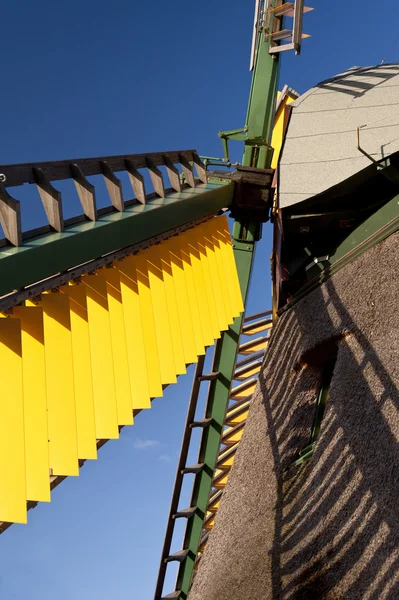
(45, 255)
(218, 399)
(257, 153)
(372, 231)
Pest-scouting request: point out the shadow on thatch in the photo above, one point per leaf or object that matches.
(336, 531)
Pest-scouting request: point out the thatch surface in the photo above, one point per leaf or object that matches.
(329, 530)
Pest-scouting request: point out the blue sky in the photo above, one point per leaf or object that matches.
(88, 78)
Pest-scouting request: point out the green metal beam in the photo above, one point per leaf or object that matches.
(257, 153)
(372, 231)
(218, 399)
(260, 114)
(45, 255)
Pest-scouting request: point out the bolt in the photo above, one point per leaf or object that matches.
(3, 178)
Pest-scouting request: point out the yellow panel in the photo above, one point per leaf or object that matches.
(209, 523)
(220, 479)
(202, 547)
(229, 437)
(206, 268)
(253, 346)
(161, 316)
(101, 358)
(84, 400)
(173, 311)
(257, 327)
(35, 403)
(124, 403)
(12, 442)
(226, 459)
(186, 314)
(150, 337)
(199, 282)
(212, 225)
(218, 288)
(181, 243)
(224, 229)
(61, 418)
(134, 334)
(243, 391)
(236, 416)
(213, 506)
(219, 227)
(248, 371)
(278, 129)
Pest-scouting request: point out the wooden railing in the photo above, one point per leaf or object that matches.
(44, 173)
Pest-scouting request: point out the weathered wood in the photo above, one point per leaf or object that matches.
(137, 181)
(60, 169)
(86, 192)
(201, 170)
(10, 217)
(173, 174)
(187, 170)
(114, 186)
(51, 200)
(156, 178)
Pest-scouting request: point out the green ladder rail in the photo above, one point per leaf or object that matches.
(257, 159)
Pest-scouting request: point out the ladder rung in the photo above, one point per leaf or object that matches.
(214, 500)
(209, 376)
(201, 423)
(203, 542)
(281, 10)
(257, 326)
(259, 343)
(225, 455)
(193, 468)
(284, 34)
(250, 358)
(248, 370)
(186, 513)
(244, 390)
(258, 316)
(287, 10)
(177, 556)
(236, 412)
(229, 432)
(173, 596)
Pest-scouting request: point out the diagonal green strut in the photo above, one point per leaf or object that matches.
(257, 153)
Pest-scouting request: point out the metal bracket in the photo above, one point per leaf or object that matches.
(234, 134)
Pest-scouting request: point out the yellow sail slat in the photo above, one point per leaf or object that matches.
(84, 398)
(124, 403)
(102, 368)
(61, 416)
(204, 308)
(220, 479)
(232, 436)
(208, 281)
(241, 374)
(35, 402)
(211, 232)
(181, 246)
(237, 415)
(218, 289)
(136, 354)
(161, 316)
(147, 316)
(12, 436)
(175, 324)
(183, 302)
(222, 234)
